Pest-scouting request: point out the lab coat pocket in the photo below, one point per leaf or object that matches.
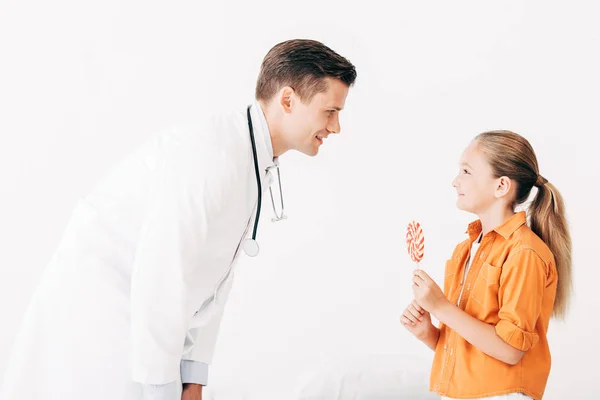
(213, 306)
(205, 314)
(484, 293)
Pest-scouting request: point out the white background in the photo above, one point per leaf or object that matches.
(82, 84)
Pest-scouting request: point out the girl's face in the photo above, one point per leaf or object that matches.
(475, 184)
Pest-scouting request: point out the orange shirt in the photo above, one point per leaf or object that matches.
(511, 284)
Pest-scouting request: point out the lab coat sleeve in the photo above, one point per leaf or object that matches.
(171, 240)
(191, 372)
(201, 341)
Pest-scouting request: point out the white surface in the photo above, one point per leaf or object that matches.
(364, 377)
(380, 377)
(82, 84)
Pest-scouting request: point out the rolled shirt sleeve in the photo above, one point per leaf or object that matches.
(522, 285)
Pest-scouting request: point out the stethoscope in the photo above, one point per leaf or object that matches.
(250, 246)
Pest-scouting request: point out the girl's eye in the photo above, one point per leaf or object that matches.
(465, 171)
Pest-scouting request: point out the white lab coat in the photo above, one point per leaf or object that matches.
(140, 278)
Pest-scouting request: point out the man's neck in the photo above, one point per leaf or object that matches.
(273, 123)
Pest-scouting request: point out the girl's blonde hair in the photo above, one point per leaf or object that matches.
(511, 155)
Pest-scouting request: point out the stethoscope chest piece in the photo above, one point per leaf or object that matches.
(250, 247)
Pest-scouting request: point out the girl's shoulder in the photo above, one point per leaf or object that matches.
(524, 239)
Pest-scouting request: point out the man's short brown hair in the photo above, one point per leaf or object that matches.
(303, 65)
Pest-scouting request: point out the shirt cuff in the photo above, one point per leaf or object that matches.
(515, 336)
(194, 372)
(169, 391)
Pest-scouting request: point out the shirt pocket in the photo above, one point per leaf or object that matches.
(484, 293)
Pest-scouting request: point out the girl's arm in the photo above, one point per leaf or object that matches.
(481, 335)
(432, 338)
(418, 322)
(478, 333)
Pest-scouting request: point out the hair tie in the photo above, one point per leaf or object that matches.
(540, 181)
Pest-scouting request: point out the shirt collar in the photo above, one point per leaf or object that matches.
(505, 230)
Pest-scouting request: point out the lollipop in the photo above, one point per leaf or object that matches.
(415, 241)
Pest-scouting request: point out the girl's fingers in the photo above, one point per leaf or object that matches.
(414, 312)
(417, 280)
(417, 291)
(418, 307)
(409, 316)
(422, 275)
(406, 321)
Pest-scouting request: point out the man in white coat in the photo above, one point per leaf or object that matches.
(130, 305)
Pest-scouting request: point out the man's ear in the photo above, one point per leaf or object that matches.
(286, 99)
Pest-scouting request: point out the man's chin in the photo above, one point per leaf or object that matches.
(309, 152)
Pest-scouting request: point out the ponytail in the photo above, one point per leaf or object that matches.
(547, 220)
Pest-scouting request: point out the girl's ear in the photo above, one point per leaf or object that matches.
(503, 186)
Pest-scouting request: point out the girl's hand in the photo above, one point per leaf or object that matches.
(417, 321)
(427, 293)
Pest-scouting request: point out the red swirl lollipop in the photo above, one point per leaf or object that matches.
(415, 241)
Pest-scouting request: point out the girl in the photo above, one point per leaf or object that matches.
(502, 284)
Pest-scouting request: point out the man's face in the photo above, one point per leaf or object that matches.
(307, 125)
